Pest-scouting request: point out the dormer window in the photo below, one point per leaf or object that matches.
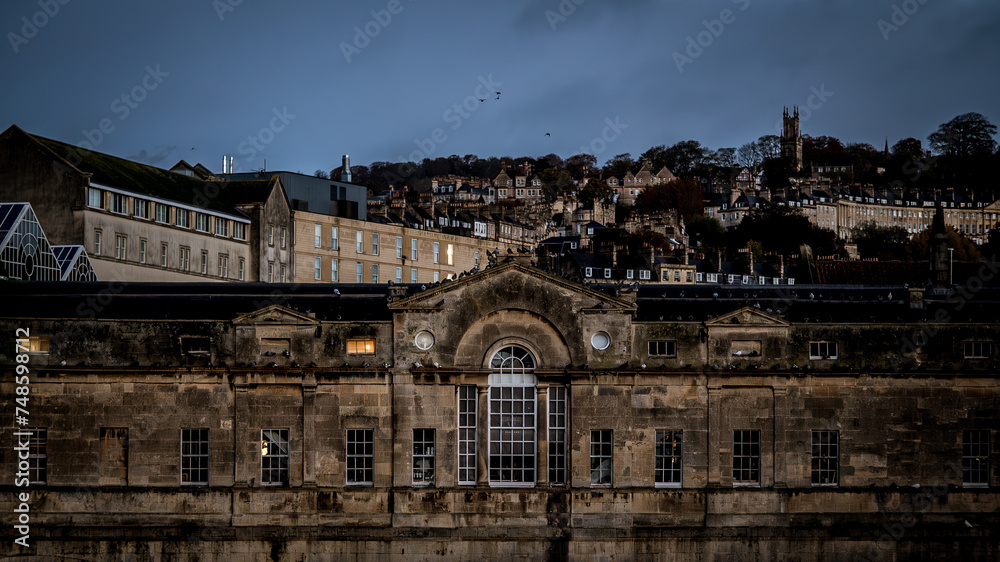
(95, 198)
(118, 203)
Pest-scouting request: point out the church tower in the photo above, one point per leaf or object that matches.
(791, 140)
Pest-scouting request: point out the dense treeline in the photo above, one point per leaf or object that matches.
(960, 154)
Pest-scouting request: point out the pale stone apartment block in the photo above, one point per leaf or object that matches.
(140, 223)
(332, 249)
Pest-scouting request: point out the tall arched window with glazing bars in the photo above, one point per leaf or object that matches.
(512, 417)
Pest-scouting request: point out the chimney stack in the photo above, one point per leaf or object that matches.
(345, 172)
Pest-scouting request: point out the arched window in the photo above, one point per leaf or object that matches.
(512, 417)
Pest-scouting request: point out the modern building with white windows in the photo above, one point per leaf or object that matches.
(141, 223)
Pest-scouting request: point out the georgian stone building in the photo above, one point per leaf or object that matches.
(339, 250)
(140, 223)
(510, 414)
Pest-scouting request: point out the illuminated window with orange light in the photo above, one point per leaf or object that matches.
(274, 457)
(361, 346)
(669, 459)
(38, 344)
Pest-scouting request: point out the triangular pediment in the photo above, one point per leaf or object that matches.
(274, 315)
(444, 295)
(747, 316)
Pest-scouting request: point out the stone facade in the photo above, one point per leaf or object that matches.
(353, 377)
(394, 253)
(140, 223)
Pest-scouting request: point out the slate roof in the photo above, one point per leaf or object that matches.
(196, 301)
(808, 304)
(914, 273)
(134, 177)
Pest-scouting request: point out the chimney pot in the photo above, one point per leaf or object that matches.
(345, 172)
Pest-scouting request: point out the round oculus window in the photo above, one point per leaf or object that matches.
(424, 340)
(600, 340)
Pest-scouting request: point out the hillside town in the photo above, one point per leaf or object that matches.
(568, 363)
(130, 221)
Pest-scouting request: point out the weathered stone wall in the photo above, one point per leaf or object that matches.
(895, 433)
(900, 493)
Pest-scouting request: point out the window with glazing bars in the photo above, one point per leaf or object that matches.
(601, 457)
(274, 457)
(746, 457)
(512, 418)
(361, 456)
(194, 456)
(662, 349)
(467, 410)
(823, 350)
(975, 457)
(423, 457)
(669, 457)
(978, 349)
(557, 434)
(825, 458)
(37, 455)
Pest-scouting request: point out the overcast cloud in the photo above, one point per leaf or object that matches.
(301, 83)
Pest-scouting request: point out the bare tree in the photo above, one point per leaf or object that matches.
(749, 155)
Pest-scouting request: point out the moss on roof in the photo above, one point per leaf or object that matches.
(139, 178)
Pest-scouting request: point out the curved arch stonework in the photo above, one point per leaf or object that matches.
(512, 326)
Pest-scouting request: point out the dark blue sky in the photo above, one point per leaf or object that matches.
(277, 80)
